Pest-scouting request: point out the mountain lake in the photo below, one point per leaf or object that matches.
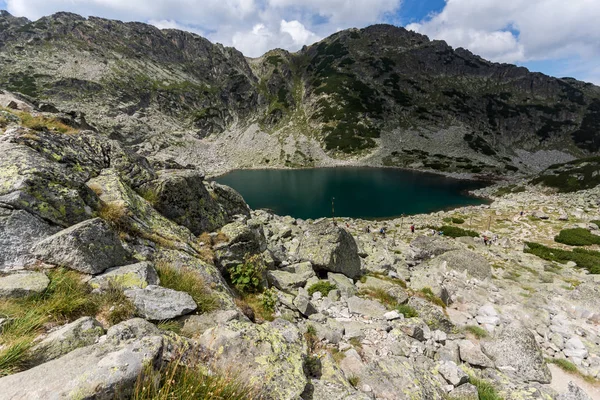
(362, 192)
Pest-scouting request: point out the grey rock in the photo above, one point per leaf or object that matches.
(460, 260)
(19, 230)
(426, 247)
(23, 283)
(465, 392)
(303, 304)
(196, 325)
(83, 332)
(157, 303)
(452, 373)
(131, 329)
(365, 307)
(290, 278)
(90, 247)
(471, 353)
(131, 276)
(330, 248)
(243, 240)
(271, 353)
(331, 330)
(393, 315)
(343, 284)
(515, 351)
(101, 371)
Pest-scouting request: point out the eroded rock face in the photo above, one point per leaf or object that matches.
(243, 239)
(183, 197)
(19, 231)
(426, 247)
(23, 283)
(100, 371)
(515, 351)
(269, 355)
(460, 260)
(90, 247)
(157, 303)
(330, 248)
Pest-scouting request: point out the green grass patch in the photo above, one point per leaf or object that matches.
(577, 237)
(596, 222)
(189, 281)
(455, 231)
(178, 381)
(322, 286)
(587, 259)
(428, 295)
(485, 389)
(381, 295)
(407, 311)
(476, 331)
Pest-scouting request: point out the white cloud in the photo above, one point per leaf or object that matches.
(253, 26)
(518, 30)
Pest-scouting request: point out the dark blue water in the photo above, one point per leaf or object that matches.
(358, 192)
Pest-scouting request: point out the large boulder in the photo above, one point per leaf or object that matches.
(182, 196)
(270, 355)
(105, 370)
(89, 247)
(157, 303)
(574, 392)
(290, 278)
(131, 276)
(426, 247)
(243, 238)
(23, 283)
(230, 200)
(83, 332)
(19, 230)
(515, 351)
(330, 248)
(465, 260)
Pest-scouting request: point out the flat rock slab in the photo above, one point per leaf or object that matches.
(516, 351)
(90, 247)
(100, 371)
(157, 303)
(289, 278)
(21, 284)
(460, 260)
(471, 353)
(131, 276)
(369, 308)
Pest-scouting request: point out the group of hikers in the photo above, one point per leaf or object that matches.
(383, 229)
(487, 241)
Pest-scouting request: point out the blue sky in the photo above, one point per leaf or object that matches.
(556, 37)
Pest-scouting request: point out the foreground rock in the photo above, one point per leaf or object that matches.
(330, 248)
(465, 260)
(24, 283)
(89, 247)
(516, 352)
(131, 276)
(83, 332)
(100, 371)
(157, 303)
(269, 355)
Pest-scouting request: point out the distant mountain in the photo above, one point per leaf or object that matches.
(375, 96)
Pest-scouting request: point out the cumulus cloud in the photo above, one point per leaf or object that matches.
(518, 30)
(252, 26)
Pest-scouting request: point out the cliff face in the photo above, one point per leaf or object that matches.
(379, 96)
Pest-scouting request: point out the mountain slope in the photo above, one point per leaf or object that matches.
(376, 96)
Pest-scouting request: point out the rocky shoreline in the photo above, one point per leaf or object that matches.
(113, 269)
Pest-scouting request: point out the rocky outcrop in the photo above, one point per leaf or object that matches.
(271, 355)
(90, 247)
(244, 238)
(330, 248)
(131, 276)
(99, 371)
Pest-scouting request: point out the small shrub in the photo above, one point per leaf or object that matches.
(458, 220)
(248, 276)
(115, 213)
(269, 300)
(587, 259)
(312, 366)
(577, 237)
(407, 311)
(322, 286)
(454, 231)
(312, 341)
(189, 281)
(354, 380)
(477, 331)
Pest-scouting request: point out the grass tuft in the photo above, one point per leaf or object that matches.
(189, 281)
(476, 331)
(485, 389)
(407, 311)
(322, 286)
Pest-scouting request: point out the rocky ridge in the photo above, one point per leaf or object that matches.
(341, 312)
(380, 96)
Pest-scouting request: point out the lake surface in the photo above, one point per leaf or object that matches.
(358, 192)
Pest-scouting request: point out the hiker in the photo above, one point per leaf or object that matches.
(412, 228)
(521, 213)
(485, 240)
(382, 231)
(368, 229)
(433, 232)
